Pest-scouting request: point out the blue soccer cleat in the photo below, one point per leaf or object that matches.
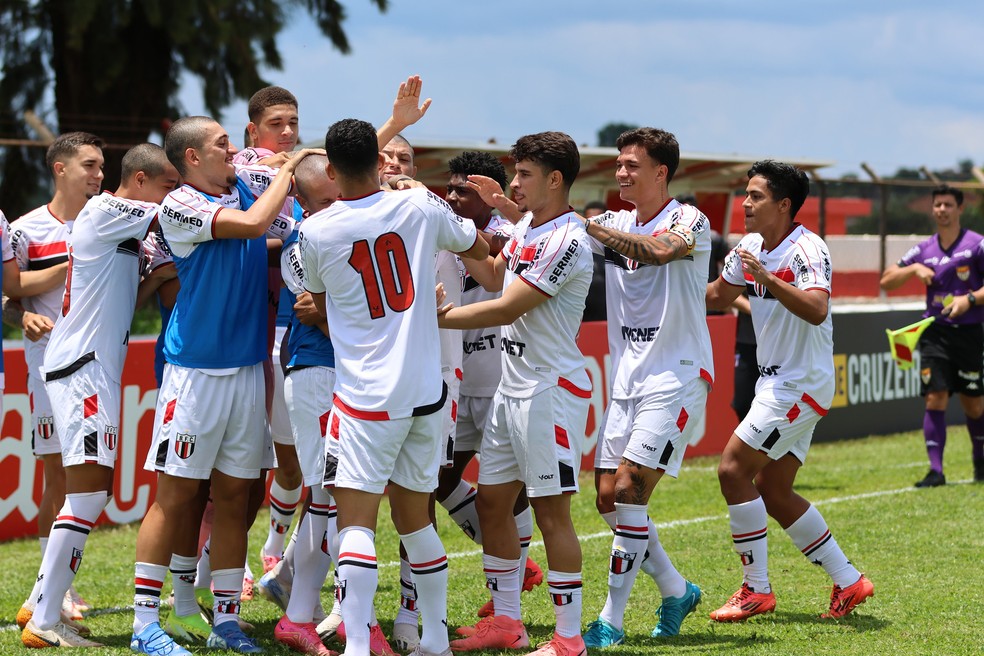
(601, 634)
(228, 635)
(153, 641)
(673, 610)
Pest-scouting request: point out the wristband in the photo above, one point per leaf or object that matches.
(971, 299)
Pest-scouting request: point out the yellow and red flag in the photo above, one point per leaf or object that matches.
(903, 342)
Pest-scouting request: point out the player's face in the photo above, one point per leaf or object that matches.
(397, 160)
(216, 157)
(946, 212)
(276, 130)
(464, 200)
(158, 187)
(762, 212)
(319, 195)
(82, 173)
(530, 186)
(637, 174)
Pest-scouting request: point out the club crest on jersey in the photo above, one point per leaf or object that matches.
(621, 561)
(963, 272)
(46, 427)
(110, 437)
(76, 560)
(184, 445)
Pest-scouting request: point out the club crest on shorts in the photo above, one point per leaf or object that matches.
(621, 561)
(46, 427)
(76, 560)
(110, 437)
(184, 445)
(926, 374)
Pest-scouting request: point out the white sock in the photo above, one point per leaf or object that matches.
(524, 528)
(227, 589)
(749, 533)
(503, 581)
(408, 613)
(289, 551)
(628, 552)
(311, 559)
(460, 505)
(609, 518)
(203, 571)
(183, 581)
(148, 579)
(429, 568)
(657, 565)
(811, 536)
(356, 581)
(283, 503)
(565, 592)
(63, 555)
(32, 599)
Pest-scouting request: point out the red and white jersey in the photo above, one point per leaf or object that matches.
(258, 178)
(374, 257)
(539, 349)
(101, 287)
(5, 248)
(154, 252)
(41, 240)
(449, 270)
(657, 327)
(795, 357)
(481, 362)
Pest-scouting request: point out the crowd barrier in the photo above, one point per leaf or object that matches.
(873, 397)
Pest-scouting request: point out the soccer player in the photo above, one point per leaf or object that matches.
(369, 260)
(210, 412)
(83, 365)
(786, 270)
(662, 366)
(540, 409)
(40, 242)
(951, 266)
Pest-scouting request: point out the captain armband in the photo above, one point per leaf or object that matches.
(686, 234)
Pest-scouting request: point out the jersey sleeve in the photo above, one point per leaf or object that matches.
(307, 243)
(732, 272)
(118, 219)
(156, 251)
(552, 265)
(812, 265)
(20, 243)
(911, 256)
(188, 219)
(5, 248)
(291, 266)
(455, 234)
(258, 179)
(607, 220)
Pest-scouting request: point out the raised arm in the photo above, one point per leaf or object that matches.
(659, 249)
(406, 110)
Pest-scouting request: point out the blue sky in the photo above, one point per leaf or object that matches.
(891, 83)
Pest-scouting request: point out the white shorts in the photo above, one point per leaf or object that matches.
(364, 454)
(473, 415)
(279, 418)
(449, 416)
(780, 426)
(308, 393)
(652, 431)
(207, 422)
(536, 441)
(46, 440)
(86, 405)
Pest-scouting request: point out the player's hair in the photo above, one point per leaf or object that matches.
(784, 181)
(353, 148)
(947, 190)
(67, 145)
(268, 97)
(308, 172)
(595, 205)
(476, 162)
(147, 157)
(554, 151)
(660, 145)
(185, 133)
(247, 140)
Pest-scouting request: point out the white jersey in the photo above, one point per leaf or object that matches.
(539, 349)
(5, 248)
(40, 240)
(101, 287)
(657, 327)
(795, 357)
(154, 252)
(449, 270)
(481, 362)
(374, 258)
(258, 178)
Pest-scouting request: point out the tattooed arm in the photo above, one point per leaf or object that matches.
(647, 249)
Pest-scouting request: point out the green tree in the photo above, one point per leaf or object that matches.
(113, 67)
(610, 132)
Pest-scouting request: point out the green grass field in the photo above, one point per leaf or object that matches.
(923, 549)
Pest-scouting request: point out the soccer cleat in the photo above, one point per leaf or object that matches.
(495, 632)
(301, 638)
(81, 604)
(417, 651)
(25, 613)
(601, 634)
(559, 646)
(932, 479)
(57, 636)
(328, 627)
(844, 600)
(205, 601)
(269, 562)
(153, 641)
(532, 576)
(270, 588)
(69, 609)
(673, 610)
(247, 593)
(378, 644)
(405, 636)
(228, 635)
(979, 470)
(487, 609)
(744, 604)
(190, 628)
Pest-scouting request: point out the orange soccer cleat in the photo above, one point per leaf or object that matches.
(744, 604)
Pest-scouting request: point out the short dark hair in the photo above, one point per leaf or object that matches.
(947, 190)
(595, 205)
(784, 181)
(268, 97)
(68, 145)
(185, 133)
(477, 162)
(554, 151)
(352, 147)
(660, 145)
(147, 157)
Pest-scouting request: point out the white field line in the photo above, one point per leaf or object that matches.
(585, 538)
